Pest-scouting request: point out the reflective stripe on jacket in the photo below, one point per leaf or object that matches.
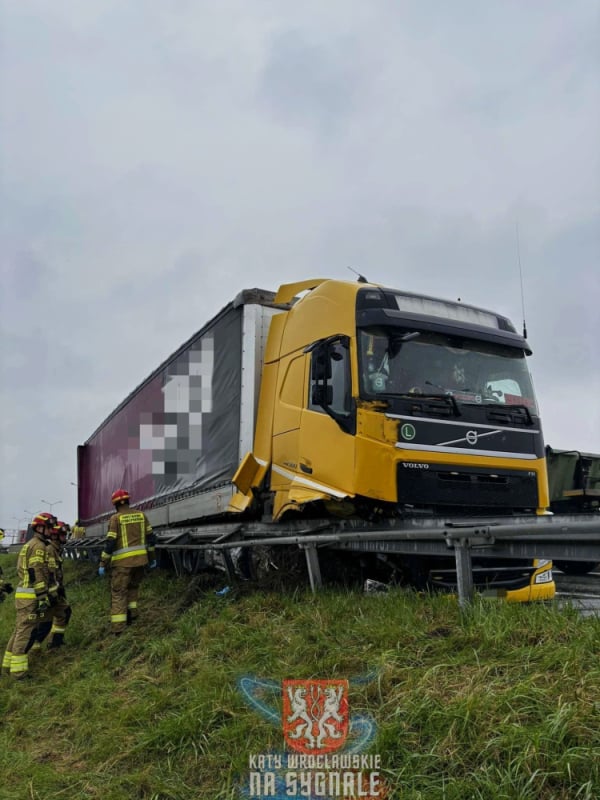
(129, 540)
(33, 571)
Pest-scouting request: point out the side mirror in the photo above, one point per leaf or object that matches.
(322, 395)
(321, 365)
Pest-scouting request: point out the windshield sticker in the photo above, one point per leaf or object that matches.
(466, 397)
(517, 400)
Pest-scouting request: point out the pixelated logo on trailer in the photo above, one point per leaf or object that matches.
(315, 715)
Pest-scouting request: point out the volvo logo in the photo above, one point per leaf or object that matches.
(471, 437)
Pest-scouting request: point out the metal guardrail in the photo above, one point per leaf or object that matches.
(566, 537)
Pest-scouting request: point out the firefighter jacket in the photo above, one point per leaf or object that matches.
(34, 574)
(55, 562)
(129, 541)
(77, 532)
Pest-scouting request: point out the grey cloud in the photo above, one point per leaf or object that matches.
(568, 329)
(38, 358)
(23, 273)
(155, 163)
(312, 83)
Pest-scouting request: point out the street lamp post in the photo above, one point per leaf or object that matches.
(55, 503)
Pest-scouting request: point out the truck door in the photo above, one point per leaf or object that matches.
(328, 422)
(287, 415)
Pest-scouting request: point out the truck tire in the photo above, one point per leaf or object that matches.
(575, 567)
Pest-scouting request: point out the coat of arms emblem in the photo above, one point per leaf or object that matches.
(315, 715)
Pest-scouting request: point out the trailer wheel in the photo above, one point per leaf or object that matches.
(575, 567)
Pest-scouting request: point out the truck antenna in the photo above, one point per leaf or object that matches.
(361, 278)
(521, 279)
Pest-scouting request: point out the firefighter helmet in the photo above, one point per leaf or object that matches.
(50, 518)
(60, 527)
(41, 519)
(119, 496)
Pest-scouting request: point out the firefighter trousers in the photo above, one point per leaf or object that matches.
(16, 660)
(124, 586)
(55, 623)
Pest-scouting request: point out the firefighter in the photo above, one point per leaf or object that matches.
(45, 619)
(60, 611)
(128, 548)
(32, 597)
(78, 531)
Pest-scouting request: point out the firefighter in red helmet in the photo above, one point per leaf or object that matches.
(129, 547)
(60, 613)
(32, 597)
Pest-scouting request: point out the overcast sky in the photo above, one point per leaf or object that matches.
(159, 157)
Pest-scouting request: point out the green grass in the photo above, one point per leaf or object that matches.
(503, 702)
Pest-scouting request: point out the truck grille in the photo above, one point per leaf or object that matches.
(469, 487)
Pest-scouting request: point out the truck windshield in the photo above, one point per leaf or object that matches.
(426, 363)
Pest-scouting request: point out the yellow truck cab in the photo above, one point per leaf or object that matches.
(381, 403)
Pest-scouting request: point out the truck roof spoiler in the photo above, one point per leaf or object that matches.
(287, 291)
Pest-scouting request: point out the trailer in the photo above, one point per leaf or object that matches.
(178, 438)
(323, 413)
(574, 483)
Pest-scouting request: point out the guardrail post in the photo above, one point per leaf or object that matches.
(312, 564)
(464, 572)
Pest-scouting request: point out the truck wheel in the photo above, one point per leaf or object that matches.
(575, 567)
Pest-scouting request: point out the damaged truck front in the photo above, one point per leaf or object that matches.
(334, 400)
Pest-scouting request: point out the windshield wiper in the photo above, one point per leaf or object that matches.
(447, 397)
(508, 407)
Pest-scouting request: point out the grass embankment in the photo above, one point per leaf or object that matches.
(504, 703)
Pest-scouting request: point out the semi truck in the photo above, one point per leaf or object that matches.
(325, 405)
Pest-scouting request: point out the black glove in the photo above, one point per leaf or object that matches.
(8, 588)
(62, 593)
